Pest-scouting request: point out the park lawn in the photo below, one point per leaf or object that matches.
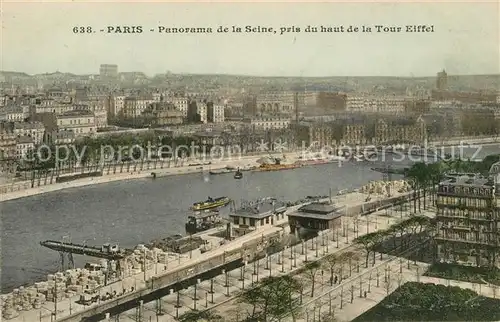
(430, 302)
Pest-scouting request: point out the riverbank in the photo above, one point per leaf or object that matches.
(68, 300)
(240, 162)
(23, 189)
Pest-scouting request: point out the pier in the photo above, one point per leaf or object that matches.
(105, 252)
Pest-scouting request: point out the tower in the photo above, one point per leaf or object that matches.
(442, 81)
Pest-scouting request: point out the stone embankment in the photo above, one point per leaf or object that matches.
(38, 186)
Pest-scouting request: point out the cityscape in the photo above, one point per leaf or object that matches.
(249, 162)
(426, 218)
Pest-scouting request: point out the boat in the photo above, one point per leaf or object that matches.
(211, 203)
(389, 170)
(230, 169)
(220, 171)
(312, 162)
(278, 166)
(238, 174)
(202, 221)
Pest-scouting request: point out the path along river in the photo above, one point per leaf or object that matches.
(137, 211)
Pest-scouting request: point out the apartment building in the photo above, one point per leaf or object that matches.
(53, 107)
(162, 113)
(80, 122)
(96, 105)
(267, 123)
(400, 130)
(13, 113)
(7, 142)
(24, 147)
(197, 111)
(63, 137)
(468, 216)
(215, 113)
(276, 103)
(379, 104)
(134, 105)
(115, 105)
(181, 103)
(33, 129)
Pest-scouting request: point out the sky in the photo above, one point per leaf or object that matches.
(37, 37)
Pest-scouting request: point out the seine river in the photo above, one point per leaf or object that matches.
(137, 211)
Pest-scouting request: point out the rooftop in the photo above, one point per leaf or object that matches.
(76, 113)
(467, 179)
(28, 125)
(260, 209)
(319, 210)
(24, 140)
(62, 134)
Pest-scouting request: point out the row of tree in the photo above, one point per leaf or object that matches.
(274, 297)
(89, 150)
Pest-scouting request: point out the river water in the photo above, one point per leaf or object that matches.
(137, 211)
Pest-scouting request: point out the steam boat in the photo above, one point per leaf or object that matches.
(238, 174)
(211, 203)
(278, 166)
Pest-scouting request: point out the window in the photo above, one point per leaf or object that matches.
(267, 220)
(252, 222)
(236, 220)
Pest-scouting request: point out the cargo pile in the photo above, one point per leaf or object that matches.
(58, 286)
(135, 263)
(383, 187)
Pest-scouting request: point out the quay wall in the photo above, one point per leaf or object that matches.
(190, 273)
(46, 182)
(43, 182)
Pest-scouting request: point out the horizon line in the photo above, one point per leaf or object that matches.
(253, 76)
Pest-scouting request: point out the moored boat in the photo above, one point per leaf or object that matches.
(278, 166)
(312, 162)
(238, 174)
(202, 221)
(211, 203)
(220, 171)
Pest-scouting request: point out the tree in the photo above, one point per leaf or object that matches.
(195, 316)
(368, 242)
(273, 297)
(311, 270)
(330, 262)
(419, 176)
(435, 172)
(346, 257)
(253, 297)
